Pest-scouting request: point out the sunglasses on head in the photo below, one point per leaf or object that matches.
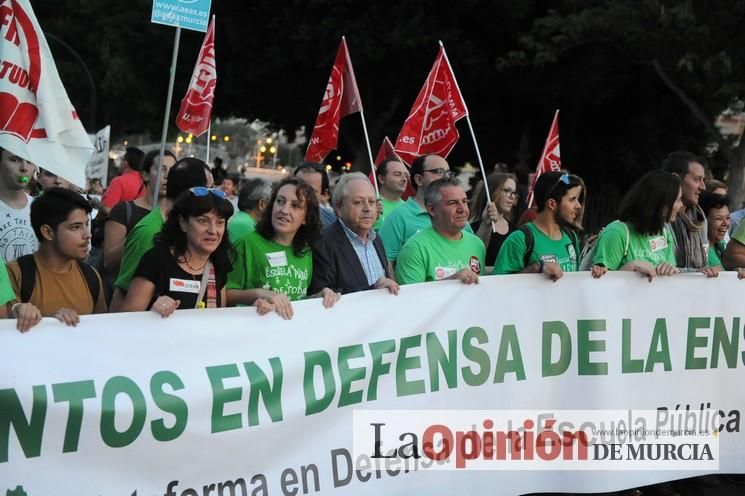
(565, 178)
(204, 191)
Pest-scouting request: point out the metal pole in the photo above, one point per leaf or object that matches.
(369, 154)
(167, 115)
(209, 138)
(473, 137)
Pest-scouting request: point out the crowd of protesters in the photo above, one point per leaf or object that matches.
(192, 244)
(188, 243)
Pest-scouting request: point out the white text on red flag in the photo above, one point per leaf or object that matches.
(195, 112)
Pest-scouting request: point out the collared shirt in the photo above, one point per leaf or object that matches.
(369, 258)
(327, 215)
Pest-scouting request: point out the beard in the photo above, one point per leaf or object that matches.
(561, 221)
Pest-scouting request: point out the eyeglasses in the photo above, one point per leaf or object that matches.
(510, 192)
(440, 172)
(204, 191)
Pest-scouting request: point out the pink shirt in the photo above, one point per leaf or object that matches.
(129, 186)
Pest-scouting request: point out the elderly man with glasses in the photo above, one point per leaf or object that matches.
(412, 216)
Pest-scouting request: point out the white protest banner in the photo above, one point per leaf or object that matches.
(37, 120)
(98, 165)
(225, 402)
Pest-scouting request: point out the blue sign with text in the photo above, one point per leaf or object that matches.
(188, 14)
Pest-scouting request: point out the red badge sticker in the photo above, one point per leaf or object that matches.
(475, 264)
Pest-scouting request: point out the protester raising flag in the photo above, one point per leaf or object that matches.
(195, 112)
(550, 158)
(430, 126)
(387, 151)
(37, 120)
(340, 99)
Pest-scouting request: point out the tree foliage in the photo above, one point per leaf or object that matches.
(634, 80)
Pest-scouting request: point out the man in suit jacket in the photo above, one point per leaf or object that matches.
(350, 256)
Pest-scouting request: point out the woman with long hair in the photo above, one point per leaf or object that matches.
(503, 189)
(275, 262)
(640, 239)
(188, 266)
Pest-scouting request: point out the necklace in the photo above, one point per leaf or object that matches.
(195, 269)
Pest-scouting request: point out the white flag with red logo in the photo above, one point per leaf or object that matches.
(388, 152)
(195, 112)
(340, 99)
(430, 126)
(550, 158)
(37, 120)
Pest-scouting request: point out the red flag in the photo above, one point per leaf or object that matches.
(550, 158)
(340, 99)
(386, 151)
(430, 126)
(195, 112)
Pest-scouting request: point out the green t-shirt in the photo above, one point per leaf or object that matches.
(262, 263)
(611, 244)
(714, 254)
(404, 222)
(563, 251)
(139, 240)
(239, 225)
(429, 256)
(6, 289)
(388, 207)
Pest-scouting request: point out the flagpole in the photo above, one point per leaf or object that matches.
(209, 138)
(164, 134)
(473, 136)
(369, 154)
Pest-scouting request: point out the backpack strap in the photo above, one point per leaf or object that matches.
(91, 280)
(529, 243)
(574, 239)
(27, 264)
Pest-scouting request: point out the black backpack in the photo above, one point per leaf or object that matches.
(530, 241)
(27, 264)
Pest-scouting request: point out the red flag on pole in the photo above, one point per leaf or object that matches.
(340, 99)
(430, 126)
(550, 158)
(195, 113)
(387, 151)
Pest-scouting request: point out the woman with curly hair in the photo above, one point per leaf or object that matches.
(188, 266)
(275, 262)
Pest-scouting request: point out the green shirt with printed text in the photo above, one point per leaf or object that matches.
(262, 263)
(429, 256)
(655, 249)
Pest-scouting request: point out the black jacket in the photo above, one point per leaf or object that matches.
(336, 265)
